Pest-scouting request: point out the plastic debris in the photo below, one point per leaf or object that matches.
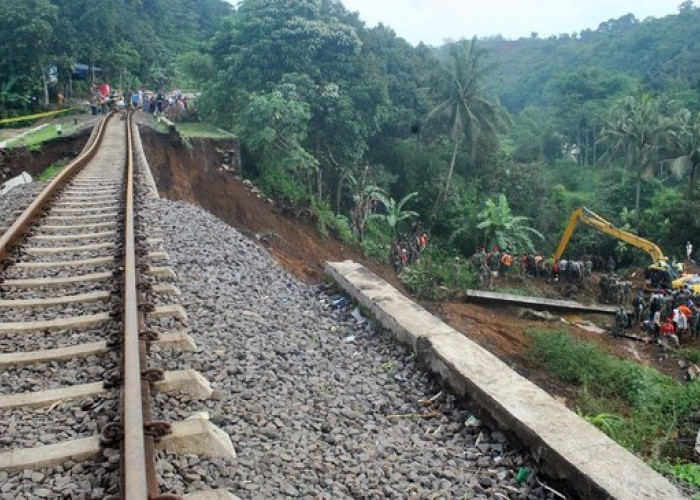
(358, 317)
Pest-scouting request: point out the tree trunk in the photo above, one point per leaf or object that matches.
(638, 196)
(443, 195)
(46, 86)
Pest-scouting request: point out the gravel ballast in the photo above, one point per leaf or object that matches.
(316, 400)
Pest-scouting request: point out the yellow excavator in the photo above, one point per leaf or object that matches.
(657, 275)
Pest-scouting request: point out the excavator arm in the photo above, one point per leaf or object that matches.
(597, 222)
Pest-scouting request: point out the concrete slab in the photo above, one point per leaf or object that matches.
(198, 436)
(175, 310)
(84, 321)
(158, 255)
(49, 455)
(162, 272)
(538, 302)
(74, 237)
(406, 319)
(39, 282)
(58, 218)
(78, 248)
(59, 300)
(187, 381)
(57, 354)
(211, 495)
(65, 263)
(572, 449)
(51, 228)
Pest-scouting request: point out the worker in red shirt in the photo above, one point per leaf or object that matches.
(669, 331)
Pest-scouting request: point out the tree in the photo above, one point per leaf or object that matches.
(685, 137)
(25, 31)
(635, 134)
(502, 228)
(465, 107)
(394, 211)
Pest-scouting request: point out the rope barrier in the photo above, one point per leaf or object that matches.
(33, 117)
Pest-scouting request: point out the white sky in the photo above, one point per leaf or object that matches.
(433, 21)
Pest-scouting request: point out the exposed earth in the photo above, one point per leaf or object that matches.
(194, 173)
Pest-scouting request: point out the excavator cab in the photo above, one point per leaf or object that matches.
(657, 277)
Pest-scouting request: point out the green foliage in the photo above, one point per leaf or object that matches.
(688, 473)
(503, 228)
(659, 406)
(329, 222)
(465, 107)
(394, 210)
(202, 129)
(438, 275)
(276, 183)
(52, 170)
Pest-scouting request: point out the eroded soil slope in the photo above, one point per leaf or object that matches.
(194, 174)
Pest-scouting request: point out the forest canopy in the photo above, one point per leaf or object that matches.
(348, 120)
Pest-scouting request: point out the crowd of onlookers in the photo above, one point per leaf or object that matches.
(103, 100)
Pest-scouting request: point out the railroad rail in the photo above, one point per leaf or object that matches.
(79, 283)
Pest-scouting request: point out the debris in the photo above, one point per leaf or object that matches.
(350, 339)
(522, 474)
(431, 414)
(23, 178)
(358, 317)
(550, 489)
(472, 421)
(538, 315)
(693, 372)
(429, 401)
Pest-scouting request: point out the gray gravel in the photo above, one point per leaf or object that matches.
(18, 198)
(306, 392)
(43, 376)
(25, 427)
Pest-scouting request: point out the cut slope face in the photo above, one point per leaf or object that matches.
(195, 175)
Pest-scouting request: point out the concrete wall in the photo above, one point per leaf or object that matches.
(569, 448)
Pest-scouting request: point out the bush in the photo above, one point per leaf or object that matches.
(644, 410)
(276, 183)
(327, 220)
(437, 275)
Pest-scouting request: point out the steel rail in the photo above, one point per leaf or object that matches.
(23, 224)
(135, 483)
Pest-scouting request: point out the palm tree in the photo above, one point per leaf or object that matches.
(685, 139)
(635, 133)
(394, 211)
(465, 107)
(502, 228)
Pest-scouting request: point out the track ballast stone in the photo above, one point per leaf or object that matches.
(317, 402)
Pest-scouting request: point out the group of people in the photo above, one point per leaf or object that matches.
(663, 315)
(407, 247)
(157, 103)
(503, 262)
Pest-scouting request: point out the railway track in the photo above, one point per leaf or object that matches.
(84, 293)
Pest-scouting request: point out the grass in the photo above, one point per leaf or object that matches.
(33, 140)
(202, 129)
(524, 292)
(52, 170)
(692, 355)
(641, 409)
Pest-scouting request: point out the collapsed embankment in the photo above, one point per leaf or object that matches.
(192, 171)
(14, 161)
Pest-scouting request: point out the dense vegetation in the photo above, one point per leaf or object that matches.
(334, 115)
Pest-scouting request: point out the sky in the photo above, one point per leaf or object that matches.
(433, 21)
